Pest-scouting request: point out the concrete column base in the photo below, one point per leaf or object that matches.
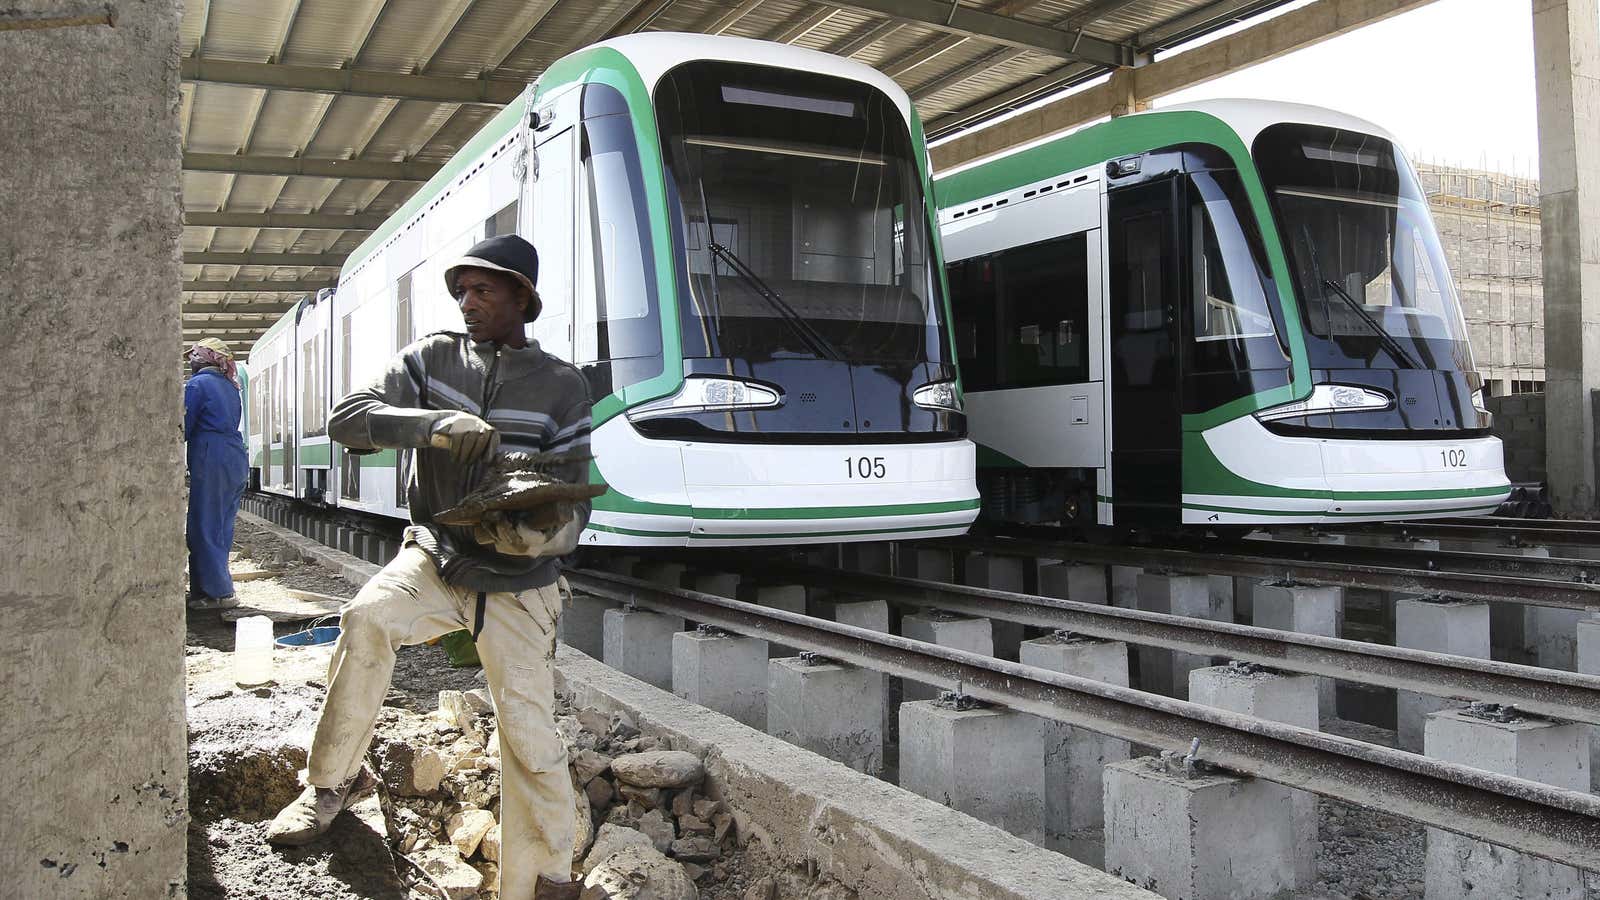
(639, 643)
(1588, 659)
(1074, 758)
(983, 762)
(1167, 671)
(722, 584)
(1125, 586)
(1291, 699)
(1208, 837)
(1306, 609)
(829, 708)
(582, 623)
(787, 597)
(665, 574)
(928, 563)
(946, 630)
(1439, 625)
(999, 573)
(724, 672)
(1070, 581)
(1537, 749)
(876, 558)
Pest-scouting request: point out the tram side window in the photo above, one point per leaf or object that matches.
(1022, 315)
(1230, 320)
(616, 324)
(502, 222)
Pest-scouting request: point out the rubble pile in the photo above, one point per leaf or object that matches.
(645, 828)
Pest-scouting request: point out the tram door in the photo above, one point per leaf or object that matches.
(1146, 438)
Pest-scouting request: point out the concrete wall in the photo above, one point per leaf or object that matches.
(92, 758)
(1519, 424)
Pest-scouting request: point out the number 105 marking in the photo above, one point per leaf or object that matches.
(1453, 459)
(864, 468)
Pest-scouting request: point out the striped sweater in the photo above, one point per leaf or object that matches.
(537, 402)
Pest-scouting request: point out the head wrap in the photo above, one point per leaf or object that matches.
(214, 352)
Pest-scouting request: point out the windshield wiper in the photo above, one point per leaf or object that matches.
(813, 338)
(1388, 340)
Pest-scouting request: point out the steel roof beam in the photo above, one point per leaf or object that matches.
(355, 82)
(1303, 27)
(237, 309)
(381, 170)
(970, 22)
(298, 221)
(218, 258)
(255, 287)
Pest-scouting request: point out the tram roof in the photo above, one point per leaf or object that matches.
(306, 123)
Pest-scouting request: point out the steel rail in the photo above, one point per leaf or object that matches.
(1465, 586)
(1526, 816)
(1453, 561)
(1535, 532)
(1546, 692)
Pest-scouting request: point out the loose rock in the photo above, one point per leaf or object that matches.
(459, 880)
(695, 849)
(658, 828)
(588, 764)
(490, 845)
(611, 839)
(600, 792)
(765, 889)
(658, 769)
(467, 828)
(638, 873)
(410, 771)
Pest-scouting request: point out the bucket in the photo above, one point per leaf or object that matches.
(315, 636)
(252, 650)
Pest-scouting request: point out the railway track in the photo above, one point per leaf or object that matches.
(1526, 816)
(1268, 563)
(1493, 529)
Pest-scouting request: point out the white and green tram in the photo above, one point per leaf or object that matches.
(738, 249)
(1225, 313)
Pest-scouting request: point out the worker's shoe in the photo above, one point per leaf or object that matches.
(550, 889)
(202, 603)
(313, 812)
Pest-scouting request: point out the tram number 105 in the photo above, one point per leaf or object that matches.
(1453, 459)
(864, 468)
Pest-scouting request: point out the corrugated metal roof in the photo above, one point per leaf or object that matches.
(952, 78)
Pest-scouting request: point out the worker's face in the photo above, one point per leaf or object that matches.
(491, 304)
(196, 362)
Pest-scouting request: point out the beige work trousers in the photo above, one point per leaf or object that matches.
(407, 603)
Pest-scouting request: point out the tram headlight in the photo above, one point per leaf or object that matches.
(938, 395)
(703, 394)
(1329, 398)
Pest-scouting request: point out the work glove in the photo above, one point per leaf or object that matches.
(515, 538)
(466, 436)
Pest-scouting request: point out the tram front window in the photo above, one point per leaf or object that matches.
(798, 216)
(1370, 274)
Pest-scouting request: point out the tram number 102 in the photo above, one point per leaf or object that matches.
(1453, 459)
(864, 468)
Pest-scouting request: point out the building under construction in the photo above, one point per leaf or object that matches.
(1489, 226)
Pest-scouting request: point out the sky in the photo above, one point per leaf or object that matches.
(1452, 80)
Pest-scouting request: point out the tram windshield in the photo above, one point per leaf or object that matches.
(799, 218)
(1371, 276)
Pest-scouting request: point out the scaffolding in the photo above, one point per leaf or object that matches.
(1489, 227)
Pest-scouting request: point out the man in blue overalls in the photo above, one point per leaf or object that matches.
(218, 466)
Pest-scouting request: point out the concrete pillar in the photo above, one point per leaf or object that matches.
(1566, 53)
(93, 479)
(618, 563)
(1303, 608)
(825, 555)
(999, 573)
(1207, 836)
(927, 563)
(661, 572)
(582, 623)
(1074, 758)
(722, 584)
(342, 539)
(1167, 671)
(1440, 625)
(876, 558)
(984, 762)
(1537, 749)
(1125, 586)
(1071, 581)
(1291, 699)
(1550, 634)
(829, 708)
(639, 643)
(724, 672)
(787, 597)
(872, 615)
(1589, 664)
(947, 630)
(1244, 595)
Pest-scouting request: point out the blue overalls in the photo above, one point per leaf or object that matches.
(218, 466)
